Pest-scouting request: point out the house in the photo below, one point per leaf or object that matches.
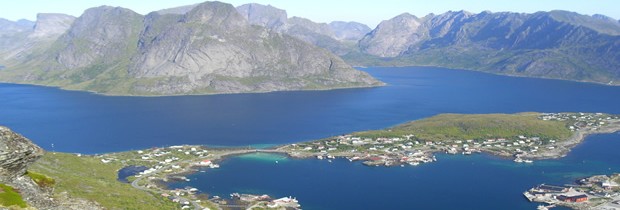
(607, 184)
(551, 188)
(205, 163)
(573, 198)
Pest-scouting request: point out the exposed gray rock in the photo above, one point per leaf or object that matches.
(226, 54)
(16, 154)
(352, 31)
(557, 44)
(393, 37)
(319, 34)
(100, 35)
(51, 25)
(209, 49)
(266, 16)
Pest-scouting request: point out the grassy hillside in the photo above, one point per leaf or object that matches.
(478, 126)
(87, 177)
(11, 198)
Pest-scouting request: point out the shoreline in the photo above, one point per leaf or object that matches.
(380, 84)
(176, 162)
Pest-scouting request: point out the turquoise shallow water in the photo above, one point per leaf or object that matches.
(70, 121)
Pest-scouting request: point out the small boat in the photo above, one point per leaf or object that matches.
(319, 157)
(276, 162)
(528, 161)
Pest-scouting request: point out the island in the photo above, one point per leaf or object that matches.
(522, 137)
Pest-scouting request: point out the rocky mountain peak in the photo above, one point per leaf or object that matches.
(392, 37)
(51, 25)
(16, 154)
(349, 30)
(263, 15)
(99, 31)
(215, 13)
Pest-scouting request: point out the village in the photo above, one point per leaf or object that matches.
(175, 162)
(410, 150)
(595, 192)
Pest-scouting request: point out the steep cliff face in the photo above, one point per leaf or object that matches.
(214, 48)
(16, 154)
(266, 16)
(555, 44)
(393, 37)
(50, 25)
(319, 34)
(101, 36)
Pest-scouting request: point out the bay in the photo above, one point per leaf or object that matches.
(71, 121)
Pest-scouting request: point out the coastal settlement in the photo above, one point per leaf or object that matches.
(595, 192)
(524, 137)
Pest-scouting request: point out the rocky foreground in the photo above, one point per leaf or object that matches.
(16, 154)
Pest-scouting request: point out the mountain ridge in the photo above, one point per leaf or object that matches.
(210, 49)
(517, 44)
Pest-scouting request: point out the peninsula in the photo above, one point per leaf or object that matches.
(523, 137)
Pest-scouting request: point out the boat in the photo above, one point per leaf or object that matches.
(319, 157)
(518, 160)
(528, 161)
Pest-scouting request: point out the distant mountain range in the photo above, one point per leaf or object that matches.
(211, 48)
(215, 48)
(556, 44)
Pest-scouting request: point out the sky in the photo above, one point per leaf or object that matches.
(369, 12)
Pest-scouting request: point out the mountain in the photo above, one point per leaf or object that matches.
(319, 34)
(338, 37)
(264, 15)
(352, 31)
(210, 49)
(29, 38)
(51, 25)
(556, 44)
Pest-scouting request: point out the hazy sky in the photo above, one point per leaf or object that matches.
(370, 12)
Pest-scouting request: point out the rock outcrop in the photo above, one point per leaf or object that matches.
(16, 154)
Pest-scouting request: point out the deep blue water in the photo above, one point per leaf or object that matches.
(129, 171)
(454, 182)
(88, 123)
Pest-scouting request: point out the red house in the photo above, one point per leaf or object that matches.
(573, 198)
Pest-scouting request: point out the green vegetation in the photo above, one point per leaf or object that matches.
(479, 126)
(41, 180)
(87, 177)
(9, 197)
